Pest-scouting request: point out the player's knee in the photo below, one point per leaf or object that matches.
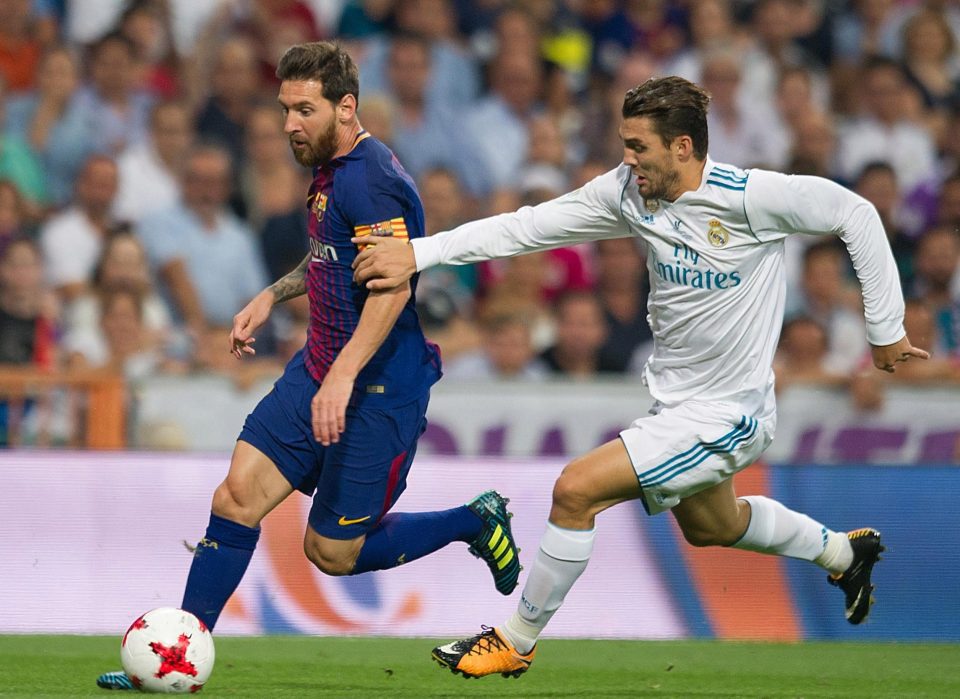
(328, 561)
(229, 503)
(571, 493)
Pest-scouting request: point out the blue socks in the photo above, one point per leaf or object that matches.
(406, 536)
(219, 562)
(222, 556)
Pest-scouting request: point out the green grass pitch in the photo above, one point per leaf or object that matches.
(286, 666)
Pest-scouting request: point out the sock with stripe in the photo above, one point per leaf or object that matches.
(219, 562)
(563, 556)
(406, 536)
(775, 529)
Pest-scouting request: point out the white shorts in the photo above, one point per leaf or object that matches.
(681, 450)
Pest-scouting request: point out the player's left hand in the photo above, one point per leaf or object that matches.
(885, 357)
(328, 409)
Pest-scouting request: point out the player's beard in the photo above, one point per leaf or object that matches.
(321, 151)
(660, 182)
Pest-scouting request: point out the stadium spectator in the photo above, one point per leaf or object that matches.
(444, 207)
(715, 341)
(235, 86)
(73, 239)
(562, 270)
(827, 298)
(205, 256)
(20, 46)
(549, 145)
(275, 25)
(113, 100)
(51, 120)
(150, 171)
(122, 265)
(948, 203)
(877, 184)
(127, 347)
(454, 78)
(13, 214)
(28, 311)
(868, 388)
(269, 183)
(361, 19)
(802, 356)
(622, 292)
(794, 100)
(426, 133)
(775, 26)
(497, 123)
(601, 115)
(580, 335)
(936, 264)
(149, 27)
(739, 133)
(815, 147)
(712, 27)
(17, 161)
(930, 62)
(867, 28)
(519, 287)
(506, 353)
(271, 187)
(884, 129)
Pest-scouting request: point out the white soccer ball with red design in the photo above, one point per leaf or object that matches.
(168, 651)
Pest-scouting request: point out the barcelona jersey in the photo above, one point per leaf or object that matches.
(365, 192)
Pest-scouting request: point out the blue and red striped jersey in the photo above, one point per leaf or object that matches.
(365, 192)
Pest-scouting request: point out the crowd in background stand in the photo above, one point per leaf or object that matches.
(147, 190)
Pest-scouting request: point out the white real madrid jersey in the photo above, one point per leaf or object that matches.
(715, 263)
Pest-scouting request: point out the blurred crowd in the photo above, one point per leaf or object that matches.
(147, 191)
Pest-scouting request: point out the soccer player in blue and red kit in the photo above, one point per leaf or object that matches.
(343, 421)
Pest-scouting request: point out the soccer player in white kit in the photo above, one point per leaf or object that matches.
(713, 236)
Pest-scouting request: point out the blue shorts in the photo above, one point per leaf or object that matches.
(358, 479)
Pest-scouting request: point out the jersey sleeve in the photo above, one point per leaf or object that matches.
(376, 201)
(590, 213)
(777, 205)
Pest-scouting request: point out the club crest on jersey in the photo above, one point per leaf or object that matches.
(717, 235)
(319, 207)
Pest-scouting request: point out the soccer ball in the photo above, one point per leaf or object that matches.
(167, 651)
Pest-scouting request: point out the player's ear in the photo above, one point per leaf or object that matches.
(347, 107)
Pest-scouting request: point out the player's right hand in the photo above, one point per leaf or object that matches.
(384, 264)
(247, 321)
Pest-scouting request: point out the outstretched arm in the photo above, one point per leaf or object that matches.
(255, 313)
(589, 213)
(328, 409)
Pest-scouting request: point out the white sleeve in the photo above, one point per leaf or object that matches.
(589, 213)
(777, 205)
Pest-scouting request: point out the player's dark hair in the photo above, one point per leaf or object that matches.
(676, 107)
(324, 61)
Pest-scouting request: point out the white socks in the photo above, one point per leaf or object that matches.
(775, 529)
(563, 556)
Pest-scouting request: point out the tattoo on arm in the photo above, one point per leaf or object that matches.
(293, 284)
